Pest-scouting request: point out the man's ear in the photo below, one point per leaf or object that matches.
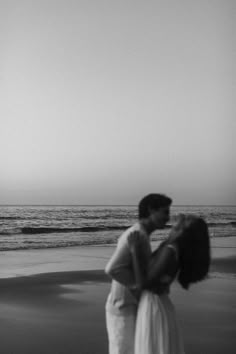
(150, 210)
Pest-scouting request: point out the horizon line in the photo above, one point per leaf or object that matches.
(134, 205)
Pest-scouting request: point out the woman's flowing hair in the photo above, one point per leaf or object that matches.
(194, 252)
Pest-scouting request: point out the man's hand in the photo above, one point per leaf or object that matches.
(134, 240)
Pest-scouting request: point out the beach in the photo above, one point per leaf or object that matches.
(52, 302)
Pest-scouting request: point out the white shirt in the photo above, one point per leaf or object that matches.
(120, 298)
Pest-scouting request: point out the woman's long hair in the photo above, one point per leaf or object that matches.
(194, 252)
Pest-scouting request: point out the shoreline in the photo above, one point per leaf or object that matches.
(226, 265)
(36, 261)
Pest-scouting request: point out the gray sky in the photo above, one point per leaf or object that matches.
(104, 101)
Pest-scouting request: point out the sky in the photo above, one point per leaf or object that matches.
(105, 101)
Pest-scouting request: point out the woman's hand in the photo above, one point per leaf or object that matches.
(134, 242)
(177, 230)
(134, 239)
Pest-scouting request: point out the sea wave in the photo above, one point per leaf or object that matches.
(66, 217)
(62, 244)
(220, 224)
(31, 230)
(12, 218)
(47, 230)
(28, 230)
(220, 275)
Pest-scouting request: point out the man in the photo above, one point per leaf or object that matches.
(121, 305)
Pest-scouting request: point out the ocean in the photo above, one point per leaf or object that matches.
(41, 227)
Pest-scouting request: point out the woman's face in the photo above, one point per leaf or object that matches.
(178, 229)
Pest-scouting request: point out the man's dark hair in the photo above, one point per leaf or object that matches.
(152, 201)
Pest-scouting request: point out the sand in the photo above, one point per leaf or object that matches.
(62, 312)
(54, 313)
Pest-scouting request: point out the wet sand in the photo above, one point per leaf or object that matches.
(53, 313)
(63, 312)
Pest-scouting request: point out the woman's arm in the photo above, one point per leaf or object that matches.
(139, 279)
(135, 245)
(160, 264)
(166, 259)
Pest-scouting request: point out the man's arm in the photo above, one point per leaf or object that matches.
(118, 268)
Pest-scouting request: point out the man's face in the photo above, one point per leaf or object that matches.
(159, 217)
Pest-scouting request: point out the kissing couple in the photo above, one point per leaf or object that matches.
(140, 316)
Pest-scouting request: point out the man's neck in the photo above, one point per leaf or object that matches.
(147, 226)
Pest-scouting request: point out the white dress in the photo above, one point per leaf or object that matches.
(157, 330)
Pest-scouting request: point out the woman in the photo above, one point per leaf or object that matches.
(122, 304)
(185, 256)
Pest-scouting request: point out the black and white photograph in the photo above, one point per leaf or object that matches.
(118, 177)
